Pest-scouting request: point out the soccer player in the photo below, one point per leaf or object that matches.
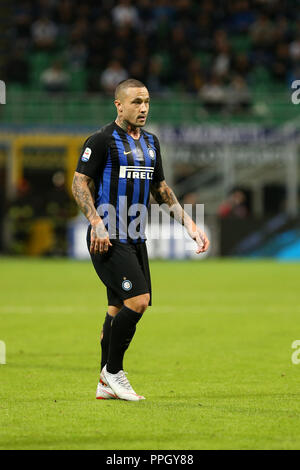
(119, 166)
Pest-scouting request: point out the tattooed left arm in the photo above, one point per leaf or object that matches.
(163, 194)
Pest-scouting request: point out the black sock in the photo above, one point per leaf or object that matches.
(122, 331)
(105, 339)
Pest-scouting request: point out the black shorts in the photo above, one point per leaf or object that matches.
(123, 269)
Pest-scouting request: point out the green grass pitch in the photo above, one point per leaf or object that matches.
(212, 356)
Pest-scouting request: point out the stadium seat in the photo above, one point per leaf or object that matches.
(78, 80)
(39, 61)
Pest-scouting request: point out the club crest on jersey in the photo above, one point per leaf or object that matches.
(86, 154)
(151, 153)
(126, 285)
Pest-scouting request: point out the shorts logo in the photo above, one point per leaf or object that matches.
(126, 285)
(86, 154)
(151, 153)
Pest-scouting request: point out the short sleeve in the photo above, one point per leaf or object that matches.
(158, 174)
(93, 156)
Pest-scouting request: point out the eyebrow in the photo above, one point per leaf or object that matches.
(140, 98)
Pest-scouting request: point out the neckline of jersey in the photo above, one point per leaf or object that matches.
(136, 140)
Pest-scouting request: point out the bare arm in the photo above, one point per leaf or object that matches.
(163, 194)
(83, 190)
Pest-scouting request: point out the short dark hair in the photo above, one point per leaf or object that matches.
(129, 83)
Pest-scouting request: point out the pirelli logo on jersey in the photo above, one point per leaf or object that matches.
(136, 172)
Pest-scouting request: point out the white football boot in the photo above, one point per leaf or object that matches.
(104, 392)
(120, 385)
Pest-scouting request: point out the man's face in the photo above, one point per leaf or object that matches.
(133, 106)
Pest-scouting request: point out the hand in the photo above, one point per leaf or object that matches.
(200, 238)
(99, 238)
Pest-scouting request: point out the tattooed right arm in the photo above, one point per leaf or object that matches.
(83, 189)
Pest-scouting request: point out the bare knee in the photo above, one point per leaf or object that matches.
(138, 303)
(114, 309)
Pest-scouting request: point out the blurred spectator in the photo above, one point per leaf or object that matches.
(238, 95)
(154, 79)
(262, 32)
(124, 38)
(241, 64)
(137, 70)
(163, 10)
(180, 60)
(55, 79)
(23, 19)
(282, 31)
(194, 79)
(77, 55)
(102, 27)
(242, 16)
(80, 30)
(112, 76)
(234, 206)
(178, 37)
(282, 62)
(17, 68)
(230, 38)
(64, 13)
(221, 65)
(204, 32)
(124, 14)
(44, 33)
(44, 7)
(295, 49)
(294, 74)
(220, 38)
(98, 51)
(213, 94)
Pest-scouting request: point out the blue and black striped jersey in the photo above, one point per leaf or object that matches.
(123, 170)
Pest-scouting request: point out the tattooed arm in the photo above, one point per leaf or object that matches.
(163, 194)
(83, 190)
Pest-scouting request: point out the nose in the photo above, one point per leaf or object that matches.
(143, 108)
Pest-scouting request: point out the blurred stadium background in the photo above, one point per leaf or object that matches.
(220, 76)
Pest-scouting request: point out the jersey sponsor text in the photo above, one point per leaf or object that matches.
(136, 172)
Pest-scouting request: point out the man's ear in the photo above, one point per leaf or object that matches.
(118, 105)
